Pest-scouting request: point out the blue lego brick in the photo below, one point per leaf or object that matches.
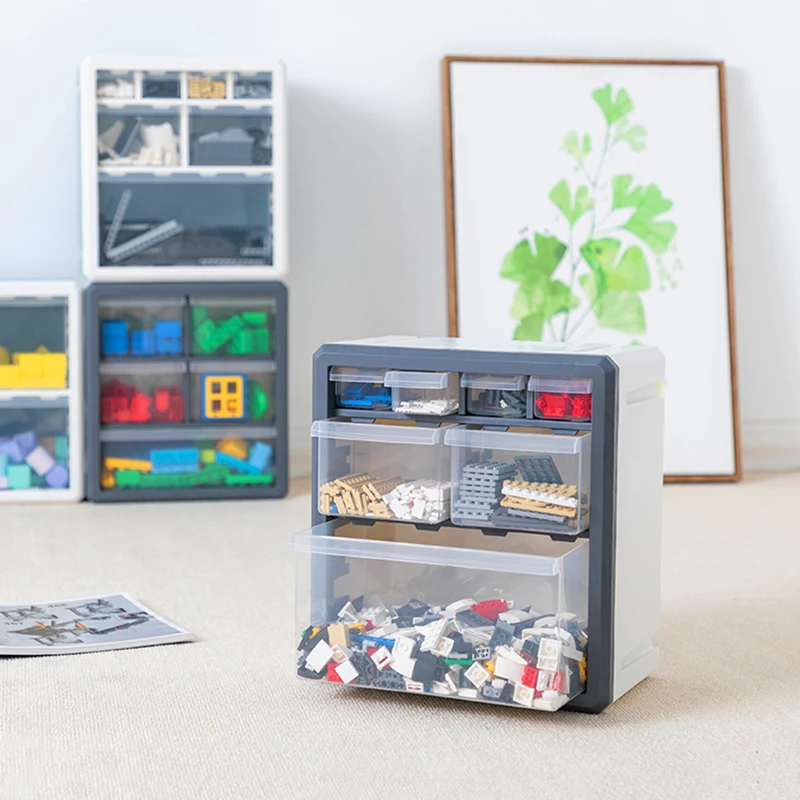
(374, 640)
(143, 343)
(168, 335)
(175, 460)
(260, 456)
(114, 337)
(236, 464)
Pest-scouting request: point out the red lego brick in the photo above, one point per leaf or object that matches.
(558, 681)
(333, 677)
(140, 407)
(529, 676)
(490, 609)
(161, 398)
(554, 406)
(582, 406)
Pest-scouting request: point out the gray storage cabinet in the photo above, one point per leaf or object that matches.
(186, 391)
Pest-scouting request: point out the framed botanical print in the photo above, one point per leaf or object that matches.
(587, 201)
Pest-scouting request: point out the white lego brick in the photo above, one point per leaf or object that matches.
(382, 658)
(383, 631)
(3, 482)
(524, 695)
(40, 461)
(508, 664)
(459, 605)
(480, 635)
(444, 648)
(403, 647)
(451, 679)
(477, 675)
(549, 655)
(433, 633)
(415, 686)
(404, 665)
(348, 613)
(341, 654)
(472, 694)
(319, 656)
(515, 616)
(347, 672)
(442, 688)
(543, 704)
(543, 680)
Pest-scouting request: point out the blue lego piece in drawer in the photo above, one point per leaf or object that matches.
(168, 338)
(175, 460)
(114, 337)
(260, 456)
(143, 343)
(236, 464)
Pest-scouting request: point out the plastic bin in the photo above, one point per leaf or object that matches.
(429, 393)
(207, 85)
(139, 393)
(139, 136)
(239, 137)
(161, 84)
(562, 398)
(115, 85)
(361, 388)
(231, 391)
(438, 613)
(199, 458)
(495, 395)
(236, 326)
(520, 481)
(382, 471)
(252, 85)
(140, 328)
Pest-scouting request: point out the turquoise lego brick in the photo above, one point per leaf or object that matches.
(61, 448)
(260, 456)
(236, 464)
(19, 476)
(175, 460)
(3, 464)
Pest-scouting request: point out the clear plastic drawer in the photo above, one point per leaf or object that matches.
(450, 613)
(495, 395)
(562, 398)
(430, 393)
(231, 391)
(142, 393)
(361, 388)
(382, 471)
(520, 481)
(141, 327)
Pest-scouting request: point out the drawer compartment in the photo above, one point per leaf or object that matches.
(141, 327)
(448, 613)
(142, 393)
(495, 395)
(231, 391)
(235, 326)
(520, 481)
(433, 393)
(382, 471)
(361, 388)
(562, 398)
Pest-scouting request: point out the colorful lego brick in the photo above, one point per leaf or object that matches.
(257, 401)
(236, 448)
(236, 464)
(223, 396)
(207, 456)
(128, 478)
(114, 338)
(249, 480)
(140, 407)
(35, 371)
(258, 319)
(57, 477)
(138, 464)
(222, 334)
(260, 456)
(19, 476)
(261, 341)
(203, 333)
(174, 460)
(17, 447)
(40, 461)
(168, 338)
(143, 343)
(4, 356)
(107, 479)
(243, 343)
(3, 464)
(199, 315)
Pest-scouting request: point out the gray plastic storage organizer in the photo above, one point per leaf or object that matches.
(186, 394)
(485, 521)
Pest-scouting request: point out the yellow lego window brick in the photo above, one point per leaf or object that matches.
(223, 396)
(127, 463)
(236, 448)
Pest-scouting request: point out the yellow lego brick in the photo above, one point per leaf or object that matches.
(207, 456)
(9, 377)
(41, 370)
(236, 448)
(223, 396)
(107, 479)
(127, 463)
(4, 357)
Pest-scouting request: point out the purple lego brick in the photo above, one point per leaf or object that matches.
(57, 477)
(26, 441)
(11, 448)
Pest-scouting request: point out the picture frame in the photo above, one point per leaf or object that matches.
(588, 200)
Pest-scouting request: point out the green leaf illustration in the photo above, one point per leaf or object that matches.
(629, 273)
(530, 329)
(562, 199)
(613, 108)
(648, 203)
(619, 310)
(634, 135)
(522, 264)
(576, 147)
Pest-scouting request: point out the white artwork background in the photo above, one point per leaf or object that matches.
(509, 125)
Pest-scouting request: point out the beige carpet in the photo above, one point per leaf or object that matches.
(226, 717)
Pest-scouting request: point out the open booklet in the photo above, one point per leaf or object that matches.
(112, 622)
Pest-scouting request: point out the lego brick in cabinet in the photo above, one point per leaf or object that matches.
(443, 613)
(41, 457)
(195, 413)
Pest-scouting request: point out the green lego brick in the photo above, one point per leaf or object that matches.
(128, 478)
(458, 661)
(257, 401)
(202, 335)
(222, 335)
(167, 481)
(61, 448)
(207, 456)
(250, 480)
(199, 314)
(258, 319)
(261, 340)
(19, 476)
(242, 343)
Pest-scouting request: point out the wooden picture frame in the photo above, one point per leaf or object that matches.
(459, 75)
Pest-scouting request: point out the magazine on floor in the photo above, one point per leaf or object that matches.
(87, 625)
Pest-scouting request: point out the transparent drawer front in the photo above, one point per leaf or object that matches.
(207, 86)
(520, 481)
(205, 458)
(237, 138)
(495, 395)
(434, 393)
(382, 471)
(113, 84)
(562, 398)
(361, 388)
(139, 136)
(238, 327)
(185, 221)
(161, 84)
(33, 344)
(142, 393)
(252, 85)
(34, 447)
(446, 619)
(223, 392)
(140, 328)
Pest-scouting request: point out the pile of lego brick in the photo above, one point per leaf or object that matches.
(485, 650)
(38, 370)
(365, 495)
(204, 88)
(233, 462)
(245, 333)
(499, 403)
(563, 406)
(28, 461)
(373, 396)
(540, 500)
(480, 490)
(428, 405)
(164, 339)
(122, 403)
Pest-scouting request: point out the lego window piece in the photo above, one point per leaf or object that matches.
(428, 393)
(495, 396)
(220, 394)
(223, 396)
(562, 398)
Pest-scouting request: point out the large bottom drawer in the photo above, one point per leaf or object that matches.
(447, 613)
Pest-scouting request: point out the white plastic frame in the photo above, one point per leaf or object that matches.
(41, 290)
(90, 169)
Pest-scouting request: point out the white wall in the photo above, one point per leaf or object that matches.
(367, 223)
